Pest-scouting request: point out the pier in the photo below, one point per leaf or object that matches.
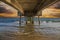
(29, 9)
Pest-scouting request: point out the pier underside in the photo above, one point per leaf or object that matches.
(31, 7)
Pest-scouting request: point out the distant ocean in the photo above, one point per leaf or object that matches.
(15, 21)
(9, 22)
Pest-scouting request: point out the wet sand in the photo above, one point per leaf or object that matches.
(27, 36)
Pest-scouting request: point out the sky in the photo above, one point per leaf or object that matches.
(7, 10)
(52, 11)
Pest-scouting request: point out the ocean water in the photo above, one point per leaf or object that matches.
(9, 22)
(52, 27)
(15, 21)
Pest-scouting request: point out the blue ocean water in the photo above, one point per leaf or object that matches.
(9, 22)
(15, 21)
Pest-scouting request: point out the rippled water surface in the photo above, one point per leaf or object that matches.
(10, 30)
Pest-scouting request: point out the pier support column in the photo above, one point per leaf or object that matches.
(30, 25)
(29, 28)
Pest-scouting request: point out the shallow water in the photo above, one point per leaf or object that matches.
(11, 31)
(45, 28)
